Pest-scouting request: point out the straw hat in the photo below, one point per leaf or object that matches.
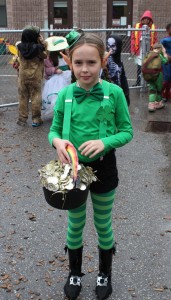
(56, 43)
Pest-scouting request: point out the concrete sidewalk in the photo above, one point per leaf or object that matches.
(139, 109)
(32, 260)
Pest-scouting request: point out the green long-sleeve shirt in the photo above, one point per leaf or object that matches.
(85, 123)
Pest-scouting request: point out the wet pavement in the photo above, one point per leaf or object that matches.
(33, 264)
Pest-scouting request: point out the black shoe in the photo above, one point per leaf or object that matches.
(72, 287)
(103, 286)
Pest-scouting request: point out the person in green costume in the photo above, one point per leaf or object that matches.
(156, 85)
(92, 115)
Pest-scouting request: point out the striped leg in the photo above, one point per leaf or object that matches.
(102, 205)
(76, 223)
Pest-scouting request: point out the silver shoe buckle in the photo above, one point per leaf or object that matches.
(75, 280)
(102, 281)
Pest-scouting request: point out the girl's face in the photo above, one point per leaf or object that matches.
(86, 64)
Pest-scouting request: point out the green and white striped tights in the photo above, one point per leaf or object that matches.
(102, 206)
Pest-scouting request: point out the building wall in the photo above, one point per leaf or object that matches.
(86, 14)
(90, 13)
(23, 12)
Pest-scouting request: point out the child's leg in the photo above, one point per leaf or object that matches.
(159, 86)
(102, 205)
(36, 100)
(23, 93)
(166, 90)
(76, 223)
(166, 81)
(152, 96)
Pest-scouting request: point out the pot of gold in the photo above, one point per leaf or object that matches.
(60, 189)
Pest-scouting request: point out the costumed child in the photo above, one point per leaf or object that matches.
(152, 73)
(166, 42)
(98, 122)
(136, 41)
(31, 53)
(115, 65)
(57, 73)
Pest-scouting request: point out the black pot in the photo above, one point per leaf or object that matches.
(70, 200)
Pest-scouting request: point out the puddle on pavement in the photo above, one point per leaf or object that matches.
(158, 127)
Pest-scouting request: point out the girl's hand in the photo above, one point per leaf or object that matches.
(60, 146)
(91, 148)
(58, 71)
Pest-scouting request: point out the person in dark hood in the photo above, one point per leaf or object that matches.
(136, 41)
(115, 66)
(30, 45)
(31, 53)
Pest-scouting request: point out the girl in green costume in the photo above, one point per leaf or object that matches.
(98, 122)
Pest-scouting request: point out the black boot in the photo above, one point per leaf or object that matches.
(103, 285)
(73, 285)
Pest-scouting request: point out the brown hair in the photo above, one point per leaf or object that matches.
(90, 39)
(53, 55)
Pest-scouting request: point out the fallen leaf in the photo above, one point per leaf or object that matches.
(131, 290)
(4, 277)
(40, 263)
(167, 218)
(89, 256)
(32, 216)
(61, 258)
(159, 289)
(90, 270)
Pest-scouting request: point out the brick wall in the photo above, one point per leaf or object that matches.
(23, 12)
(90, 13)
(9, 14)
(86, 13)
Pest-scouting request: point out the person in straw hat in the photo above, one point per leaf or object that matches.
(57, 74)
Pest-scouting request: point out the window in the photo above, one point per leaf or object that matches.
(119, 13)
(3, 13)
(60, 12)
